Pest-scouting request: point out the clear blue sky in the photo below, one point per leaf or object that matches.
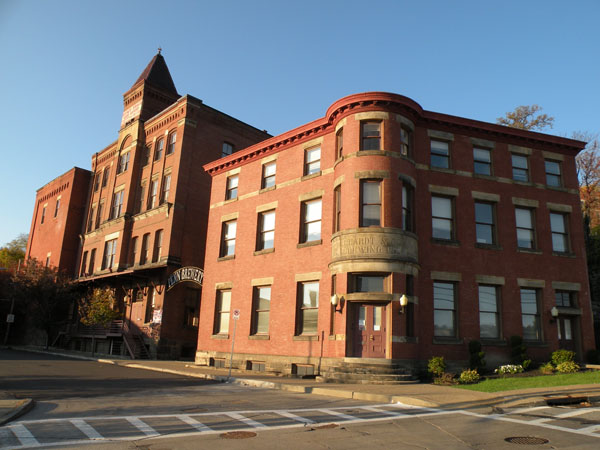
(276, 65)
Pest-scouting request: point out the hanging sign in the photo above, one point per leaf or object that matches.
(189, 273)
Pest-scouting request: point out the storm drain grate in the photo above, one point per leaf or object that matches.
(238, 435)
(526, 440)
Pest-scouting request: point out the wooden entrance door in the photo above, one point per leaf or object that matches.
(566, 333)
(369, 330)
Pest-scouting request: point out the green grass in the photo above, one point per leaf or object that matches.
(510, 383)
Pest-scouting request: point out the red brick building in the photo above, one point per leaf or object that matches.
(326, 228)
(145, 215)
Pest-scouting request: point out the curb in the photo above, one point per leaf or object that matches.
(22, 407)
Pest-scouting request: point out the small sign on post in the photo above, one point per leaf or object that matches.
(10, 318)
(236, 316)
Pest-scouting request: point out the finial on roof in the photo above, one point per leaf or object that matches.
(159, 50)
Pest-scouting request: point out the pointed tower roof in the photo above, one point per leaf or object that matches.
(157, 74)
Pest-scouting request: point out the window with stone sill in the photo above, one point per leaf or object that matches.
(311, 221)
(485, 223)
(370, 203)
(158, 151)
(553, 173)
(489, 317)
(308, 308)
(268, 175)
(405, 141)
(530, 314)
(440, 154)
(520, 168)
(110, 251)
(565, 299)
(339, 143)
(166, 188)
(444, 313)
(370, 135)
(560, 233)
(145, 251)
(222, 312)
(228, 235)
(261, 309)
(171, 142)
(231, 189)
(266, 230)
(442, 218)
(312, 161)
(482, 161)
(123, 162)
(407, 208)
(525, 228)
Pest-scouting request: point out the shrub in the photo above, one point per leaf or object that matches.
(547, 369)
(561, 356)
(437, 366)
(445, 378)
(526, 364)
(476, 356)
(518, 351)
(468, 376)
(567, 367)
(593, 356)
(509, 369)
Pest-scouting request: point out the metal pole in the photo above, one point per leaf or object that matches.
(12, 307)
(232, 343)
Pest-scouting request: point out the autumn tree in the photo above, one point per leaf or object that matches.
(527, 117)
(13, 252)
(98, 308)
(45, 295)
(588, 173)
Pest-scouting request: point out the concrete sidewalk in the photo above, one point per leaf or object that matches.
(424, 395)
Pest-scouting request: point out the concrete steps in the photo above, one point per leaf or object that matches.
(383, 372)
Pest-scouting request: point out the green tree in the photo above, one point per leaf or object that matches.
(526, 117)
(45, 295)
(97, 308)
(13, 252)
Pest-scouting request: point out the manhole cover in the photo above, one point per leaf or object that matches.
(238, 435)
(526, 440)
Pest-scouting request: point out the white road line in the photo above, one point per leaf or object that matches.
(246, 420)
(526, 410)
(86, 429)
(24, 436)
(193, 422)
(289, 415)
(577, 412)
(338, 414)
(383, 411)
(142, 426)
(590, 430)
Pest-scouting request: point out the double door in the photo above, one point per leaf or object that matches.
(369, 330)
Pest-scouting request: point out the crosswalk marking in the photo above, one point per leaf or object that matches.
(86, 429)
(142, 426)
(24, 436)
(245, 420)
(289, 415)
(193, 422)
(338, 414)
(383, 411)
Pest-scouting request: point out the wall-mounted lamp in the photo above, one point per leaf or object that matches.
(554, 313)
(403, 303)
(335, 302)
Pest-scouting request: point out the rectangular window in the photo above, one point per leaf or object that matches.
(134, 250)
(158, 237)
(90, 220)
(171, 143)
(489, 318)
(312, 161)
(337, 198)
(43, 215)
(482, 161)
(444, 305)
(268, 175)
(308, 293)
(565, 299)
(117, 204)
(520, 168)
(560, 234)
(145, 248)
(485, 223)
(146, 152)
(440, 154)
(227, 149)
(123, 162)
(83, 264)
(97, 176)
(553, 175)
(99, 214)
(405, 141)
(153, 194)
(105, 176)
(57, 207)
(166, 187)
(222, 309)
(160, 147)
(370, 199)
(266, 227)
(141, 198)
(311, 226)
(261, 309)
(228, 238)
(368, 283)
(370, 135)
(525, 228)
(442, 218)
(110, 250)
(407, 208)
(92, 261)
(339, 143)
(532, 330)
(232, 187)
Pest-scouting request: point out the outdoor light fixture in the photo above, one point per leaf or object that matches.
(335, 301)
(403, 303)
(554, 313)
